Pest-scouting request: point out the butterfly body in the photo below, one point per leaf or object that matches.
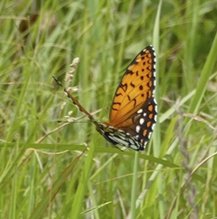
(134, 110)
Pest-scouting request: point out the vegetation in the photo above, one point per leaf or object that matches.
(53, 168)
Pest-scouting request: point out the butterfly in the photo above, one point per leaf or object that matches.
(134, 109)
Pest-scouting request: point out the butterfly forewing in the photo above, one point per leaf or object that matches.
(135, 88)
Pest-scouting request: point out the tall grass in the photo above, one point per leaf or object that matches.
(52, 168)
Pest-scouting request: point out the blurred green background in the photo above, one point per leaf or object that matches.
(54, 169)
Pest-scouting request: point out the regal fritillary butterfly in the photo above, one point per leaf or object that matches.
(134, 109)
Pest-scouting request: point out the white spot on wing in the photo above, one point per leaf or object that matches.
(138, 128)
(140, 111)
(141, 121)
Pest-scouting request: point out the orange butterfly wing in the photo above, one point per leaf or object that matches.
(134, 109)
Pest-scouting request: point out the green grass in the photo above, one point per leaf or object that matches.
(51, 169)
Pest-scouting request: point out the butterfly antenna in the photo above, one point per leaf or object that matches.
(58, 82)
